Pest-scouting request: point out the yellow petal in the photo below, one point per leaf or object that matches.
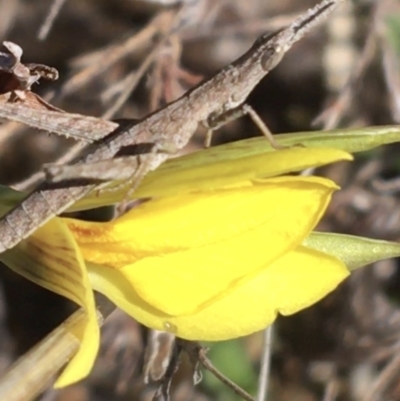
(220, 166)
(198, 250)
(200, 172)
(51, 259)
(173, 224)
(297, 280)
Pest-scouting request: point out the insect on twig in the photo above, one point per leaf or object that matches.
(162, 132)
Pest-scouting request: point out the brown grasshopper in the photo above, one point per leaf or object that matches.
(162, 132)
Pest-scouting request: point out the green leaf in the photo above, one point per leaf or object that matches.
(354, 252)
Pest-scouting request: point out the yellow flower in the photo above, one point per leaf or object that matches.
(214, 265)
(222, 248)
(208, 265)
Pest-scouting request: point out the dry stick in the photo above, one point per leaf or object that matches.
(105, 170)
(164, 23)
(111, 169)
(198, 355)
(390, 56)
(331, 390)
(109, 57)
(330, 117)
(340, 53)
(161, 23)
(388, 374)
(207, 364)
(104, 127)
(246, 28)
(166, 73)
(132, 80)
(169, 128)
(263, 379)
(35, 370)
(113, 54)
(50, 18)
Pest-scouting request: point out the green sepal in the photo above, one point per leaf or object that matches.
(354, 252)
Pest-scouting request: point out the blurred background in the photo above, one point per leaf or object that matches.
(113, 64)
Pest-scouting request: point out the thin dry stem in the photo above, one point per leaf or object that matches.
(263, 379)
(208, 365)
(331, 116)
(35, 371)
(50, 18)
(92, 68)
(384, 379)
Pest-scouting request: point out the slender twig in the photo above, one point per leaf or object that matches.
(244, 28)
(50, 18)
(263, 379)
(35, 370)
(331, 116)
(131, 81)
(93, 64)
(331, 390)
(198, 356)
(384, 379)
(207, 364)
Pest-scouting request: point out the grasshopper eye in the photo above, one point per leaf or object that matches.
(271, 58)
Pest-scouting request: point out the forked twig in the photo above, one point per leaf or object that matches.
(198, 355)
